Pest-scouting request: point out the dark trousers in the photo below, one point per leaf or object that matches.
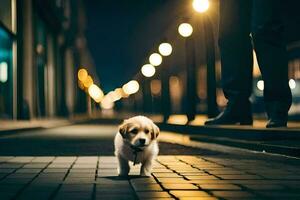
(248, 24)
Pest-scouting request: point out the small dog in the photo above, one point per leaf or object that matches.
(136, 142)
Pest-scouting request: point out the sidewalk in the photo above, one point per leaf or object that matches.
(15, 126)
(173, 177)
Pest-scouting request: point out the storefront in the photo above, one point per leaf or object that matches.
(7, 40)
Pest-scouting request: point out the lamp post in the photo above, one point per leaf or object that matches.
(165, 49)
(201, 6)
(186, 30)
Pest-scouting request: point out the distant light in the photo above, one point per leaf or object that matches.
(155, 59)
(200, 5)
(148, 70)
(88, 82)
(292, 84)
(82, 74)
(131, 87)
(95, 93)
(185, 29)
(165, 49)
(114, 96)
(260, 85)
(3, 72)
(155, 87)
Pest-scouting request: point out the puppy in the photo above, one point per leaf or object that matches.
(136, 142)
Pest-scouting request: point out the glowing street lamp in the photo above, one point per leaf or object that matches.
(88, 82)
(82, 74)
(131, 87)
(148, 70)
(200, 5)
(185, 29)
(95, 93)
(165, 49)
(155, 59)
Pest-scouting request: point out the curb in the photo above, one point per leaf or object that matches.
(251, 139)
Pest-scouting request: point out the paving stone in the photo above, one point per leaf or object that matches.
(264, 187)
(142, 195)
(115, 196)
(182, 186)
(219, 187)
(188, 193)
(142, 180)
(70, 180)
(147, 187)
(202, 177)
(43, 159)
(172, 180)
(198, 198)
(20, 175)
(54, 170)
(21, 159)
(6, 170)
(73, 196)
(239, 177)
(235, 194)
(168, 175)
(35, 165)
(35, 195)
(28, 170)
(11, 165)
(77, 188)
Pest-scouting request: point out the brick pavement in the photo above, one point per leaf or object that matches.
(173, 177)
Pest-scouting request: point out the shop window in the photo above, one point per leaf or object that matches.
(6, 82)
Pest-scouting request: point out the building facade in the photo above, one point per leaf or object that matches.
(42, 44)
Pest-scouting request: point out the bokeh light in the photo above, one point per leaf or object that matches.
(148, 70)
(185, 29)
(260, 85)
(155, 59)
(88, 82)
(165, 49)
(95, 93)
(292, 84)
(200, 5)
(131, 87)
(82, 74)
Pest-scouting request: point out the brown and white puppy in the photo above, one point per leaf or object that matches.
(136, 142)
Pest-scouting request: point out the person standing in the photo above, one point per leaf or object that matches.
(246, 25)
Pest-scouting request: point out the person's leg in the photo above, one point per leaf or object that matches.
(236, 61)
(267, 33)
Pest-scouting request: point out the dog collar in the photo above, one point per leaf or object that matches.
(136, 150)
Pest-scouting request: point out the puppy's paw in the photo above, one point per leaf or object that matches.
(145, 174)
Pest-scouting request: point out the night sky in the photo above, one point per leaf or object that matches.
(121, 34)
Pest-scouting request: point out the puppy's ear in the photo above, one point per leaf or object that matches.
(123, 129)
(155, 132)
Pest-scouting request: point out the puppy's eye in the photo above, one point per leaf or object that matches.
(146, 131)
(134, 131)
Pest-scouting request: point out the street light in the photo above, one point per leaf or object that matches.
(155, 59)
(88, 81)
(185, 29)
(200, 5)
(131, 87)
(148, 70)
(82, 74)
(95, 93)
(165, 49)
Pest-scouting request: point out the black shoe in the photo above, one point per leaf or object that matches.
(277, 114)
(276, 123)
(225, 118)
